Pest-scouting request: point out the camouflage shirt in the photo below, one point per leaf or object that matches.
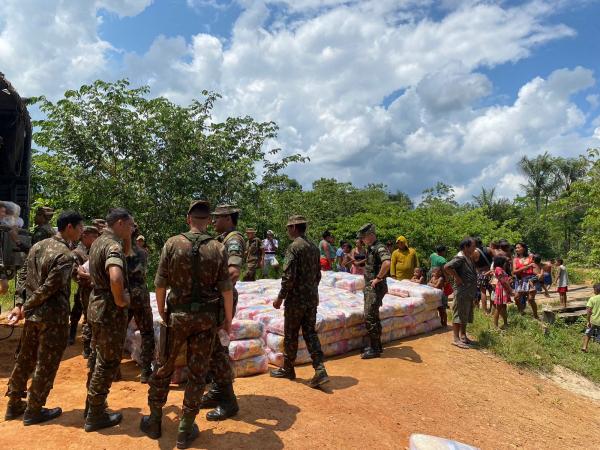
(48, 281)
(175, 269)
(301, 273)
(137, 265)
(253, 251)
(376, 254)
(80, 255)
(106, 251)
(42, 232)
(236, 247)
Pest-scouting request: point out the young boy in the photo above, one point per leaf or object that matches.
(593, 318)
(563, 282)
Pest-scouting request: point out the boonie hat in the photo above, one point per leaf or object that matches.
(203, 206)
(366, 228)
(296, 220)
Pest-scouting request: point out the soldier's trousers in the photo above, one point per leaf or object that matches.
(198, 331)
(80, 305)
(250, 274)
(220, 370)
(373, 299)
(143, 319)
(108, 340)
(298, 317)
(42, 347)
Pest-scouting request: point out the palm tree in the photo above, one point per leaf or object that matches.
(485, 200)
(540, 175)
(569, 170)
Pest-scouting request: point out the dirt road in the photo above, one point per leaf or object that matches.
(421, 385)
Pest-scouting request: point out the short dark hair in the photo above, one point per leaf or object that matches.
(478, 242)
(234, 218)
(342, 242)
(466, 242)
(537, 259)
(499, 261)
(440, 249)
(116, 214)
(326, 234)
(300, 227)
(597, 288)
(559, 260)
(68, 217)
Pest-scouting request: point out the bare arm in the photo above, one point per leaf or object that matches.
(449, 271)
(117, 286)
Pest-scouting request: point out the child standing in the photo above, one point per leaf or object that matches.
(593, 318)
(563, 282)
(438, 281)
(503, 292)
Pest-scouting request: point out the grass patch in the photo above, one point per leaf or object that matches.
(527, 344)
(583, 275)
(6, 300)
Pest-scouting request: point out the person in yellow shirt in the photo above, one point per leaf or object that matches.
(404, 260)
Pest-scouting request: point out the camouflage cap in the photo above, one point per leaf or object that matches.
(296, 220)
(203, 207)
(45, 210)
(99, 223)
(225, 210)
(250, 230)
(90, 229)
(365, 229)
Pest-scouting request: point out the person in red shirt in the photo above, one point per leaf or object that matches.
(523, 270)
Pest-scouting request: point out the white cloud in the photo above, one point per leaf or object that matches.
(321, 70)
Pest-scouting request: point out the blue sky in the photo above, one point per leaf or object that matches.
(405, 93)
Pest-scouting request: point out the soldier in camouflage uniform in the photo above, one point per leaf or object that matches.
(194, 266)
(221, 395)
(300, 291)
(46, 310)
(139, 308)
(100, 225)
(377, 268)
(253, 254)
(43, 229)
(84, 287)
(107, 316)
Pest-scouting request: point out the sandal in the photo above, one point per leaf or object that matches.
(461, 344)
(467, 341)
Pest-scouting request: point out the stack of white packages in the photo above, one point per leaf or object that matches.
(340, 317)
(246, 348)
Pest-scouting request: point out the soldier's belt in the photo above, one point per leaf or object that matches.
(208, 306)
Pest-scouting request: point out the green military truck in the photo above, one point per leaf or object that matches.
(15, 171)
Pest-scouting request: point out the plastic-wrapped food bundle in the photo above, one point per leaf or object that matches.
(396, 289)
(250, 366)
(275, 341)
(245, 329)
(399, 333)
(403, 321)
(403, 306)
(426, 327)
(426, 442)
(419, 290)
(426, 315)
(245, 348)
(250, 312)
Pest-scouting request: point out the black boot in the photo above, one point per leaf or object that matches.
(99, 418)
(145, 374)
(43, 415)
(287, 371)
(227, 407)
(373, 350)
(87, 351)
(151, 425)
(320, 377)
(15, 409)
(212, 397)
(188, 431)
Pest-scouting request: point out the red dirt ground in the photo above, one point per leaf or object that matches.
(421, 385)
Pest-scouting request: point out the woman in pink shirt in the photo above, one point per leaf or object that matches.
(523, 270)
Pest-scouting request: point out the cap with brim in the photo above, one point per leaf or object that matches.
(366, 228)
(90, 229)
(225, 210)
(296, 220)
(270, 232)
(140, 238)
(250, 230)
(201, 205)
(45, 210)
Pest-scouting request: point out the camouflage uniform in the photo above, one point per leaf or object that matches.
(44, 339)
(139, 308)
(253, 253)
(107, 320)
(42, 232)
(195, 329)
(373, 297)
(220, 365)
(81, 298)
(299, 289)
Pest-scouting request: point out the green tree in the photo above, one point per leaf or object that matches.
(540, 175)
